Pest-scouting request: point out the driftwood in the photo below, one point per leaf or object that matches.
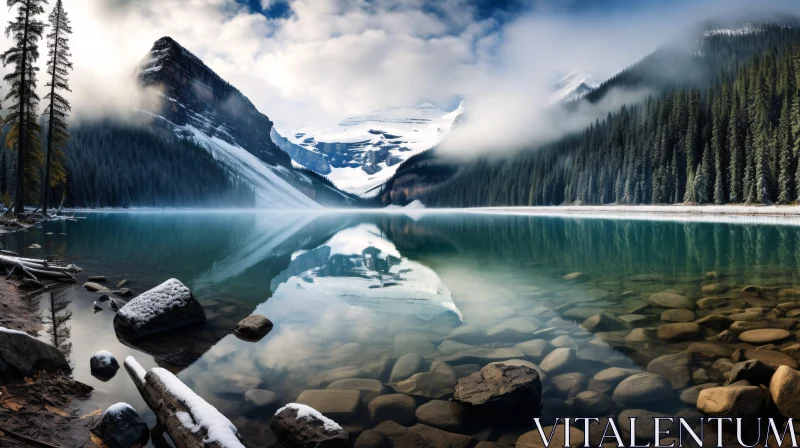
(33, 269)
(167, 407)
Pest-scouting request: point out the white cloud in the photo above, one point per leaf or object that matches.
(332, 58)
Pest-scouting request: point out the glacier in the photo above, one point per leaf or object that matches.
(361, 153)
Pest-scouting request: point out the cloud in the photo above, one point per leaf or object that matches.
(327, 59)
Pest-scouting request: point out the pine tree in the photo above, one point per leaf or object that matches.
(736, 169)
(25, 32)
(784, 137)
(58, 66)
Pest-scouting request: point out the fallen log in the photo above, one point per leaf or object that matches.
(33, 269)
(188, 419)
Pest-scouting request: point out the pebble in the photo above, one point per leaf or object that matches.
(406, 366)
(395, 407)
(771, 358)
(671, 300)
(677, 315)
(643, 389)
(446, 415)
(677, 332)
(558, 360)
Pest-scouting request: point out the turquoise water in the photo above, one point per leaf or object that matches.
(350, 293)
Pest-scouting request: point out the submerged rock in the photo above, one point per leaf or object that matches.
(95, 287)
(103, 365)
(168, 306)
(446, 415)
(23, 355)
(764, 335)
(753, 371)
(500, 390)
(300, 426)
(253, 327)
(338, 404)
(121, 427)
(677, 332)
(783, 388)
(643, 389)
(730, 401)
(395, 407)
(671, 300)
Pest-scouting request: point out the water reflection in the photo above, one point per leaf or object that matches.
(350, 294)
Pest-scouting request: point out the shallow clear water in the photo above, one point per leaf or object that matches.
(347, 292)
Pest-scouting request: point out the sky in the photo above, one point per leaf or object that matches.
(307, 61)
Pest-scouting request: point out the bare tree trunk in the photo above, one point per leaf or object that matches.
(19, 206)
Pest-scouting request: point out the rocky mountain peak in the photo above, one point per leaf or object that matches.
(194, 95)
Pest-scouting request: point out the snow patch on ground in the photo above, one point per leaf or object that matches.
(308, 413)
(154, 302)
(218, 428)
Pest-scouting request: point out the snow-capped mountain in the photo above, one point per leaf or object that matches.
(195, 103)
(573, 86)
(359, 154)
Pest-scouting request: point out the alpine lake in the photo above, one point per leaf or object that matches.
(410, 303)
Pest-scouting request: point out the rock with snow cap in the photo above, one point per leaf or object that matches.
(103, 365)
(300, 426)
(168, 306)
(121, 427)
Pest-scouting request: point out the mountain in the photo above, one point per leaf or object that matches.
(196, 104)
(575, 85)
(359, 154)
(717, 123)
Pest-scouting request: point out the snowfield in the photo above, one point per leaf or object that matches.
(351, 144)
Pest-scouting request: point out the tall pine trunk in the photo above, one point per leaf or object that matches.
(49, 155)
(19, 202)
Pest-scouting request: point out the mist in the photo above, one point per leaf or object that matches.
(330, 59)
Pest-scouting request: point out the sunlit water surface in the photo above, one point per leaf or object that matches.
(350, 293)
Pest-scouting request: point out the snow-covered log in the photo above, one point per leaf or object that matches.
(189, 420)
(33, 269)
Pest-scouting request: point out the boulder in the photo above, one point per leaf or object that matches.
(614, 375)
(730, 401)
(395, 407)
(685, 331)
(678, 315)
(300, 426)
(643, 389)
(406, 365)
(446, 415)
(467, 334)
(341, 405)
(603, 322)
(532, 439)
(168, 306)
(558, 360)
(690, 395)
(593, 404)
(637, 335)
(710, 350)
(121, 427)
(22, 355)
(753, 371)
(671, 300)
(662, 364)
(764, 335)
(534, 349)
(500, 389)
(260, 398)
(371, 439)
(428, 385)
(103, 365)
(369, 388)
(771, 358)
(784, 388)
(567, 385)
(253, 327)
(645, 429)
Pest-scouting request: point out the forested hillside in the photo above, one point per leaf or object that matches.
(735, 139)
(117, 165)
